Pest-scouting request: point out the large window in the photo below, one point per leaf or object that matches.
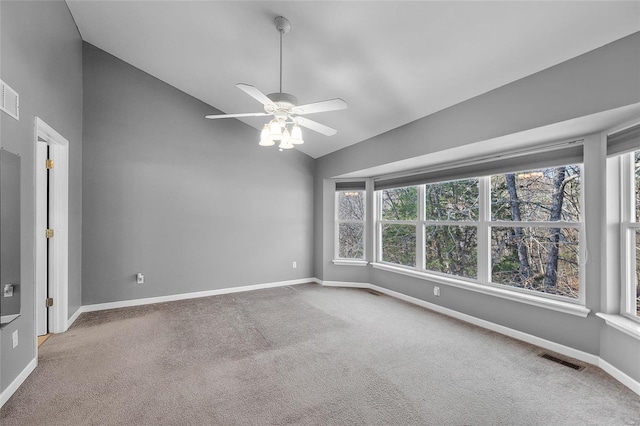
(350, 224)
(518, 230)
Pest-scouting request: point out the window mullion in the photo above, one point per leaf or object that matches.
(484, 243)
(420, 236)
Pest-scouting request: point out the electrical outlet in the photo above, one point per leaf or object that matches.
(140, 278)
(15, 338)
(436, 291)
(295, 264)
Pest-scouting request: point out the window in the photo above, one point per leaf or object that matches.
(631, 231)
(535, 229)
(517, 230)
(399, 213)
(350, 222)
(451, 227)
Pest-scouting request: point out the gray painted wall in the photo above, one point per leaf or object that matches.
(194, 204)
(600, 80)
(41, 58)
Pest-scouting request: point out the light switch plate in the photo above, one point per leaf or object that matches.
(7, 290)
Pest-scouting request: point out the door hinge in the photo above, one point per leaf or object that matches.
(49, 233)
(49, 302)
(49, 164)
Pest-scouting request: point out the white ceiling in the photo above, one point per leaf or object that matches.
(393, 62)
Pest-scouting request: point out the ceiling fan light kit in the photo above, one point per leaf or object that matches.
(286, 122)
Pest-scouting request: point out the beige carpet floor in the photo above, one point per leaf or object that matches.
(305, 355)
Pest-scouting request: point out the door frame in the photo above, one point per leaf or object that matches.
(58, 285)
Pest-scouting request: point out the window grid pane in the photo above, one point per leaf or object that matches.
(351, 205)
(399, 244)
(400, 203)
(539, 259)
(452, 250)
(351, 241)
(551, 194)
(456, 200)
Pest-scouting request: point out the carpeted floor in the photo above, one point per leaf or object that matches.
(306, 355)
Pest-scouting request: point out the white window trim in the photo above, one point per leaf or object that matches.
(564, 306)
(622, 323)
(348, 261)
(483, 283)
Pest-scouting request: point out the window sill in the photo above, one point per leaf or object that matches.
(555, 305)
(622, 324)
(350, 262)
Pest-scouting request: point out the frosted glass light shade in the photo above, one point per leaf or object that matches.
(265, 137)
(285, 142)
(275, 130)
(296, 135)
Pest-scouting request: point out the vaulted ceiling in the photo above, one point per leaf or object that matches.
(393, 62)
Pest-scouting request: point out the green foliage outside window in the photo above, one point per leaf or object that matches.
(452, 250)
(399, 244)
(400, 203)
(455, 200)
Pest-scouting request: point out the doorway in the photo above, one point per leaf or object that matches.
(51, 230)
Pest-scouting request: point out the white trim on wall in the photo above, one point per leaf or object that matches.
(183, 296)
(59, 216)
(13, 387)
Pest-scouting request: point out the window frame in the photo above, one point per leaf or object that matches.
(483, 235)
(628, 227)
(337, 222)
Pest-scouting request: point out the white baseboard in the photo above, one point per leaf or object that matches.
(622, 377)
(13, 387)
(74, 317)
(194, 295)
(344, 284)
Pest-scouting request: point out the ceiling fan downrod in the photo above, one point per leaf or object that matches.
(283, 26)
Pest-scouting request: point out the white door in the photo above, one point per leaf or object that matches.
(42, 202)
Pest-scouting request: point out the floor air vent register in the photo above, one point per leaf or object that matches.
(562, 361)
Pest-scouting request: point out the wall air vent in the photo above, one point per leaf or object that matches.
(562, 362)
(9, 100)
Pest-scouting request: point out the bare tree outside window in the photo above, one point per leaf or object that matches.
(636, 175)
(543, 257)
(350, 221)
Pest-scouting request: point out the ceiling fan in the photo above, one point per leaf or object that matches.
(285, 109)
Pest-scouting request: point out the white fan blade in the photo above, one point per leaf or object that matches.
(255, 93)
(317, 127)
(322, 106)
(248, 114)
